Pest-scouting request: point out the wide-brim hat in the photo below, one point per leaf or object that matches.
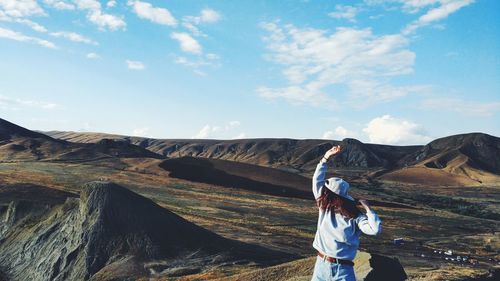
(339, 187)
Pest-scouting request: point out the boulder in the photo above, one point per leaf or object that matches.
(368, 267)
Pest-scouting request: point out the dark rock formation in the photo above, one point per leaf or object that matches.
(109, 231)
(239, 175)
(10, 130)
(373, 267)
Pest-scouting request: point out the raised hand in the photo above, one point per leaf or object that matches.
(332, 152)
(365, 204)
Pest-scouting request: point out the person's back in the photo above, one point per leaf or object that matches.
(340, 224)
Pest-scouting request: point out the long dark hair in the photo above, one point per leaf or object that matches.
(335, 203)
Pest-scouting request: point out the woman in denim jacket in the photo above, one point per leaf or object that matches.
(340, 224)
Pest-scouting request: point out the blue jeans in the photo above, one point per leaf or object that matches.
(325, 271)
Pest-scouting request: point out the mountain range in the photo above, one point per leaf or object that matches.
(460, 160)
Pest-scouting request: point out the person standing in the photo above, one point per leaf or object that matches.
(340, 224)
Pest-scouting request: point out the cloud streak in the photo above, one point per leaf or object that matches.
(95, 15)
(444, 9)
(145, 10)
(187, 43)
(16, 104)
(135, 65)
(20, 37)
(75, 37)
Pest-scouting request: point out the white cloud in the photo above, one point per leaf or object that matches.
(356, 59)
(210, 60)
(21, 8)
(209, 16)
(339, 134)
(135, 65)
(187, 43)
(391, 130)
(212, 56)
(435, 10)
(328, 135)
(88, 4)
(193, 28)
(413, 6)
(157, 15)
(111, 4)
(17, 36)
(189, 63)
(106, 21)
(16, 104)
(75, 37)
(408, 6)
(221, 132)
(93, 56)
(95, 15)
(203, 133)
(206, 16)
(33, 25)
(59, 5)
(141, 132)
(344, 12)
(240, 136)
(465, 107)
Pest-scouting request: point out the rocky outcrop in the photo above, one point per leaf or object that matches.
(373, 267)
(107, 232)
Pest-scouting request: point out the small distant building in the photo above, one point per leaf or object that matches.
(398, 241)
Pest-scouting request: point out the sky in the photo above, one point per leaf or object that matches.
(381, 71)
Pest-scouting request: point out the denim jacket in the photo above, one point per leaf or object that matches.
(337, 236)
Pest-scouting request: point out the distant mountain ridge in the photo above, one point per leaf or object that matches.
(20, 144)
(466, 159)
(289, 154)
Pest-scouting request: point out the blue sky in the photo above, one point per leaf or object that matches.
(382, 71)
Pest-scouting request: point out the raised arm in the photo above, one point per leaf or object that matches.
(370, 223)
(319, 175)
(319, 179)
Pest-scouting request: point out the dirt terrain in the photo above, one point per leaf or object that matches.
(429, 217)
